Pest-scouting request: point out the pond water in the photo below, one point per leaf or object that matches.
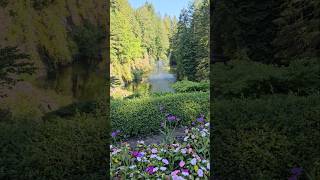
(83, 83)
(158, 81)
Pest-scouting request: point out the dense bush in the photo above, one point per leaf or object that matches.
(264, 138)
(244, 79)
(73, 109)
(142, 116)
(190, 86)
(73, 148)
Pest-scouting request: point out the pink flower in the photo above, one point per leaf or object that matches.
(174, 173)
(182, 163)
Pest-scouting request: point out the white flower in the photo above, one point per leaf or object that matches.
(204, 161)
(185, 138)
(177, 149)
(153, 156)
(186, 131)
(159, 158)
(177, 178)
(193, 161)
(139, 159)
(154, 150)
(193, 137)
(155, 169)
(163, 168)
(207, 124)
(165, 161)
(208, 166)
(132, 167)
(184, 151)
(203, 134)
(131, 174)
(140, 142)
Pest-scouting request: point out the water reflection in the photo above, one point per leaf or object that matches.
(77, 81)
(158, 81)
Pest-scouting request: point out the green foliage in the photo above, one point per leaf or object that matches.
(73, 148)
(190, 43)
(142, 116)
(137, 37)
(266, 31)
(40, 4)
(264, 138)
(4, 3)
(190, 86)
(298, 35)
(244, 78)
(89, 39)
(12, 64)
(72, 110)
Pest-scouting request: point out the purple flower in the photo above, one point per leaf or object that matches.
(200, 173)
(185, 172)
(115, 133)
(171, 117)
(150, 169)
(201, 118)
(296, 171)
(136, 154)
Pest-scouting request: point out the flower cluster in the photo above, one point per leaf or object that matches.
(179, 160)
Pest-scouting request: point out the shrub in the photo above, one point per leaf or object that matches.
(142, 116)
(264, 138)
(190, 86)
(252, 79)
(73, 148)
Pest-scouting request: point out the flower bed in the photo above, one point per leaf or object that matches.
(179, 160)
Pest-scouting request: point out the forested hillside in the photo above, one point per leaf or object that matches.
(267, 31)
(190, 43)
(55, 32)
(138, 38)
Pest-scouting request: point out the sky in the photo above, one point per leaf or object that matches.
(169, 7)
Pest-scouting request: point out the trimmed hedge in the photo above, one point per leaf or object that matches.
(190, 86)
(264, 138)
(74, 148)
(142, 116)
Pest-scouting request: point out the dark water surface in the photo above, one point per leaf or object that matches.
(77, 80)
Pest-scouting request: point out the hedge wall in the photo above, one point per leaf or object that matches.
(74, 148)
(264, 138)
(142, 116)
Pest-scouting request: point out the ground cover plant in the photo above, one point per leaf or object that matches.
(188, 159)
